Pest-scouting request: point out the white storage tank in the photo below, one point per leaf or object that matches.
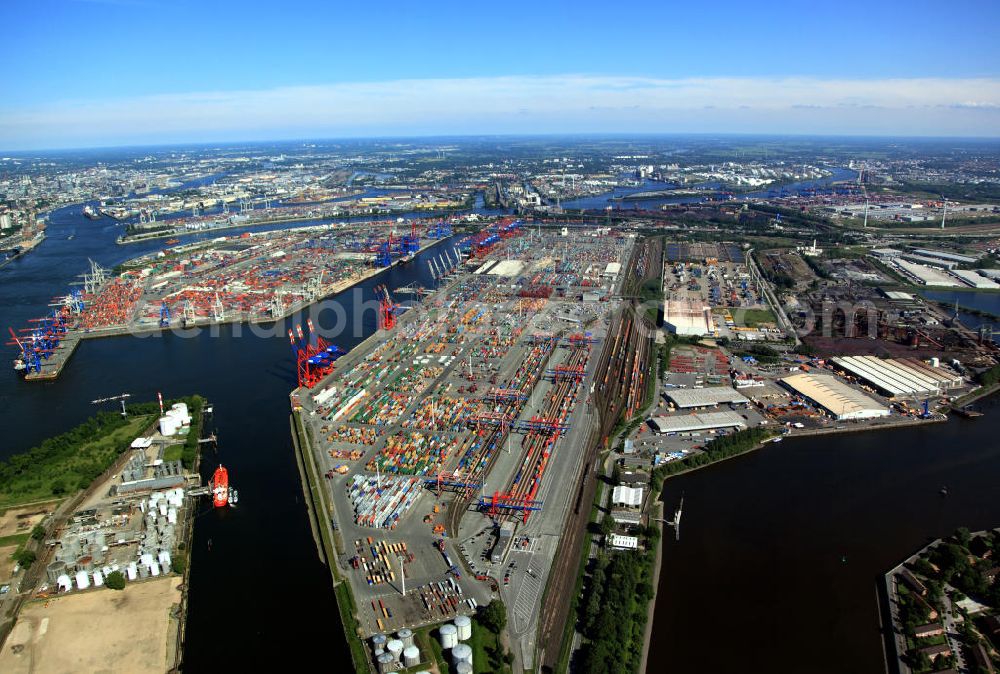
(98, 579)
(462, 653)
(64, 583)
(464, 625)
(132, 571)
(82, 580)
(378, 642)
(411, 656)
(395, 648)
(406, 636)
(462, 668)
(169, 425)
(449, 636)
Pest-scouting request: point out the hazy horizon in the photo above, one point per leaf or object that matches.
(111, 73)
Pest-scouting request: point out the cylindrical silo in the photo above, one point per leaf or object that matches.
(378, 642)
(168, 425)
(449, 636)
(394, 648)
(406, 636)
(411, 656)
(462, 653)
(464, 626)
(386, 663)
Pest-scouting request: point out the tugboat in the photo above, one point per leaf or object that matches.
(220, 487)
(234, 497)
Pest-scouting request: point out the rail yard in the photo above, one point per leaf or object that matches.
(445, 442)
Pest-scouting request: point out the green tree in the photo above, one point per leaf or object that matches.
(115, 580)
(921, 662)
(38, 532)
(25, 558)
(178, 564)
(493, 616)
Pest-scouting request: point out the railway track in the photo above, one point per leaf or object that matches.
(619, 390)
(524, 379)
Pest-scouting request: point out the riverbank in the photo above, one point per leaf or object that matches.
(53, 366)
(24, 248)
(832, 512)
(126, 239)
(937, 602)
(323, 536)
(647, 636)
(143, 610)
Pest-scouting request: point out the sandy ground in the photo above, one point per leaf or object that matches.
(96, 631)
(10, 523)
(6, 563)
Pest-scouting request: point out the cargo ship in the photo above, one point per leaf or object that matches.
(89, 212)
(220, 487)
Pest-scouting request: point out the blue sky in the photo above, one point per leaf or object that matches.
(98, 72)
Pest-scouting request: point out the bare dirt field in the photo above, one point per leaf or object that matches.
(6, 563)
(21, 519)
(95, 631)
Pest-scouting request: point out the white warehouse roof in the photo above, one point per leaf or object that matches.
(974, 279)
(699, 422)
(624, 542)
(893, 377)
(623, 495)
(705, 397)
(688, 318)
(836, 397)
(964, 259)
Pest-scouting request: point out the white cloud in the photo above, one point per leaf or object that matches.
(551, 104)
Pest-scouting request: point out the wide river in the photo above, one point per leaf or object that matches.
(780, 549)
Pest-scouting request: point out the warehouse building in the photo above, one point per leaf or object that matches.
(706, 421)
(623, 495)
(835, 397)
(941, 255)
(900, 377)
(706, 397)
(930, 261)
(684, 317)
(974, 279)
(925, 275)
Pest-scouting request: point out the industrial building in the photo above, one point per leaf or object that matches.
(685, 317)
(974, 279)
(706, 397)
(623, 542)
(925, 275)
(627, 517)
(623, 495)
(698, 422)
(837, 398)
(930, 261)
(940, 255)
(899, 377)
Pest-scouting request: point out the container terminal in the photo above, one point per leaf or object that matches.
(444, 442)
(252, 277)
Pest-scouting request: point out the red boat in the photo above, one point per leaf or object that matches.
(220, 487)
